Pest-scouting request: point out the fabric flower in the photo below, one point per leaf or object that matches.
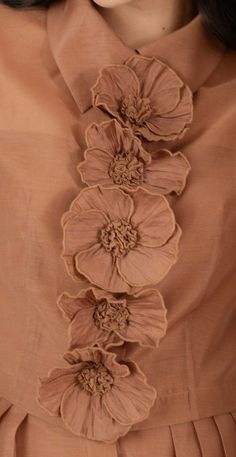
(118, 241)
(97, 316)
(97, 397)
(116, 156)
(147, 96)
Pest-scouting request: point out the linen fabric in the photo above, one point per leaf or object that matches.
(50, 59)
(25, 435)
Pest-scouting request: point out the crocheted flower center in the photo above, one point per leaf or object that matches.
(111, 316)
(118, 237)
(95, 378)
(135, 110)
(126, 169)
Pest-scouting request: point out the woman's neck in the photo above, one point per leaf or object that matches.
(140, 22)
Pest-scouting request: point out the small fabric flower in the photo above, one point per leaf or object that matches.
(97, 316)
(147, 96)
(97, 397)
(118, 241)
(116, 156)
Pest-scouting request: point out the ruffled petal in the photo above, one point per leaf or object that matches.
(146, 132)
(98, 354)
(94, 169)
(114, 83)
(119, 370)
(175, 123)
(100, 269)
(107, 136)
(130, 399)
(158, 82)
(81, 231)
(113, 202)
(153, 218)
(84, 415)
(83, 331)
(147, 321)
(184, 109)
(70, 305)
(167, 173)
(100, 136)
(145, 266)
(52, 387)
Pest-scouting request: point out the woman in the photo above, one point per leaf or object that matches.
(118, 228)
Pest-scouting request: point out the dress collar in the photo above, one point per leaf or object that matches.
(82, 43)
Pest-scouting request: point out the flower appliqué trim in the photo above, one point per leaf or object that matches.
(147, 96)
(97, 397)
(120, 239)
(97, 316)
(116, 157)
(122, 232)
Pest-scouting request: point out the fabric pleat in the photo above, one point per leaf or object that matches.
(209, 437)
(24, 435)
(185, 438)
(227, 433)
(11, 418)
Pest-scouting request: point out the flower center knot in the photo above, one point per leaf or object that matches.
(135, 110)
(111, 316)
(118, 237)
(95, 378)
(126, 169)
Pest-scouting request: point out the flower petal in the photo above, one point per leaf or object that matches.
(81, 231)
(83, 331)
(144, 266)
(119, 370)
(147, 321)
(113, 202)
(167, 173)
(100, 269)
(84, 415)
(52, 387)
(146, 132)
(70, 305)
(98, 354)
(130, 399)
(153, 218)
(94, 169)
(114, 83)
(158, 82)
(175, 123)
(106, 136)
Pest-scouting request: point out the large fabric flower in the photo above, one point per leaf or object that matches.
(97, 397)
(116, 156)
(147, 96)
(119, 241)
(99, 317)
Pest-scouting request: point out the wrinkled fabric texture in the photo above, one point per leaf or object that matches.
(48, 66)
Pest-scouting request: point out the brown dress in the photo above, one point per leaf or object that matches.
(138, 146)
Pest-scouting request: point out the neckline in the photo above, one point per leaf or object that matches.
(82, 42)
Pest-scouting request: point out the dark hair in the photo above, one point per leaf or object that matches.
(218, 15)
(220, 18)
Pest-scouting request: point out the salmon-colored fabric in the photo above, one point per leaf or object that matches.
(59, 137)
(24, 435)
